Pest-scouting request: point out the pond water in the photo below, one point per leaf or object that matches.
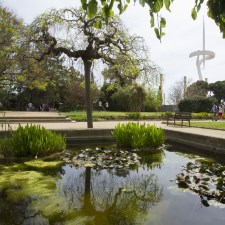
(58, 193)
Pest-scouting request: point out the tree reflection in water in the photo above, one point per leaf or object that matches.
(107, 198)
(81, 196)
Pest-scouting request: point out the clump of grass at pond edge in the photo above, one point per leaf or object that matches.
(33, 140)
(135, 135)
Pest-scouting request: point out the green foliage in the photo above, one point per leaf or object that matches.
(68, 107)
(197, 89)
(130, 98)
(216, 10)
(218, 89)
(152, 102)
(33, 140)
(137, 99)
(200, 104)
(201, 115)
(136, 135)
(167, 114)
(121, 97)
(134, 115)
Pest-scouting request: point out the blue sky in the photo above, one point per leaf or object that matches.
(183, 36)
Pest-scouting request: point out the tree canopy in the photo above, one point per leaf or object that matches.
(216, 10)
(218, 89)
(52, 34)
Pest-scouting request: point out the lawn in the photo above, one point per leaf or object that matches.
(209, 124)
(107, 115)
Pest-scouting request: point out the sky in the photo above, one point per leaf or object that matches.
(183, 36)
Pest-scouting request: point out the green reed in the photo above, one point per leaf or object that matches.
(136, 135)
(34, 140)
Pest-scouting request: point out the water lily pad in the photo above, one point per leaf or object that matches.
(205, 180)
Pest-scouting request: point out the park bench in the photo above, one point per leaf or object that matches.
(180, 116)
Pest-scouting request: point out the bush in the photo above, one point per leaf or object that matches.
(122, 98)
(33, 140)
(196, 105)
(68, 107)
(135, 135)
(134, 115)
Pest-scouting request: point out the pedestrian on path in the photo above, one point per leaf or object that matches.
(214, 110)
(221, 111)
(30, 106)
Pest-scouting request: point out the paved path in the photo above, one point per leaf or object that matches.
(108, 125)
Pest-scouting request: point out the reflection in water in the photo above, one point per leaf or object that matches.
(65, 195)
(109, 198)
(44, 193)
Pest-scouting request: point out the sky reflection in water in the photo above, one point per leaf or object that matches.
(147, 195)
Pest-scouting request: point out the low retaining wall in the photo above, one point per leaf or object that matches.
(87, 136)
(205, 144)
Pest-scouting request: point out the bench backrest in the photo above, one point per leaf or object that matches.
(182, 115)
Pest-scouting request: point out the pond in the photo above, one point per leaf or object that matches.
(145, 193)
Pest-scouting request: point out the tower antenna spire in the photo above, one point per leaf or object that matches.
(206, 55)
(203, 43)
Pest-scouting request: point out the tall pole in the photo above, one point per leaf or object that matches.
(203, 43)
(185, 86)
(161, 87)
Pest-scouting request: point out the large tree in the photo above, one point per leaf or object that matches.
(10, 27)
(70, 32)
(197, 89)
(134, 68)
(218, 90)
(216, 10)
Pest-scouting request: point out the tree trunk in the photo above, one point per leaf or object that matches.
(87, 73)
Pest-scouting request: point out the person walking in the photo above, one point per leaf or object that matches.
(30, 106)
(214, 110)
(221, 111)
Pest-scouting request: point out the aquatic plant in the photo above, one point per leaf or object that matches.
(205, 179)
(33, 140)
(101, 158)
(136, 135)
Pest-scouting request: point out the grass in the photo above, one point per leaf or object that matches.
(208, 124)
(80, 116)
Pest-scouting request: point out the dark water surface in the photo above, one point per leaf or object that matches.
(61, 194)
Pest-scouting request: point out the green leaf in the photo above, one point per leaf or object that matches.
(157, 6)
(84, 4)
(125, 7)
(162, 22)
(120, 7)
(92, 8)
(142, 2)
(152, 20)
(98, 24)
(167, 4)
(194, 14)
(157, 33)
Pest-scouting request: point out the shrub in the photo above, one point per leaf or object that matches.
(196, 105)
(68, 107)
(134, 115)
(122, 98)
(33, 140)
(135, 135)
